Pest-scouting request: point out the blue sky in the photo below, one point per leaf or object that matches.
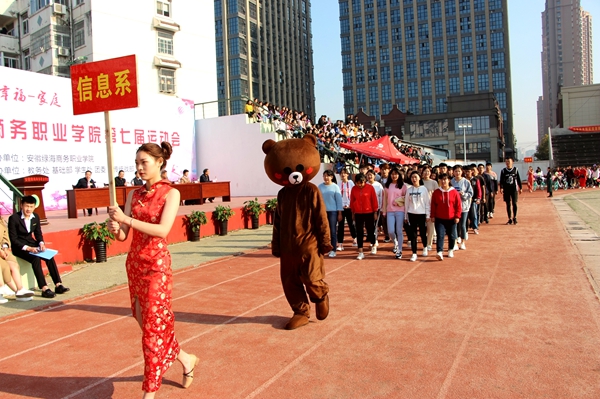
(525, 29)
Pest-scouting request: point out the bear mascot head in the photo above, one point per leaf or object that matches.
(293, 161)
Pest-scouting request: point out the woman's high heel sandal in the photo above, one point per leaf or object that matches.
(188, 377)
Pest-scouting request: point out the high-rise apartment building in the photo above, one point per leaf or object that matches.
(264, 51)
(172, 40)
(417, 53)
(566, 53)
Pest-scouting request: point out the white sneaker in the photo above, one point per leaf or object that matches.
(429, 247)
(450, 253)
(360, 256)
(24, 299)
(354, 243)
(332, 254)
(425, 251)
(434, 240)
(376, 243)
(340, 247)
(491, 215)
(373, 250)
(413, 257)
(395, 249)
(3, 300)
(458, 240)
(440, 256)
(23, 293)
(398, 255)
(467, 236)
(462, 246)
(455, 248)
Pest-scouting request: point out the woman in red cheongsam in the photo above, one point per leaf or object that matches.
(150, 212)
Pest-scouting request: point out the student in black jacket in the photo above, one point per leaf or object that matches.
(510, 188)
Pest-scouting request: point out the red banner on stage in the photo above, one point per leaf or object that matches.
(104, 85)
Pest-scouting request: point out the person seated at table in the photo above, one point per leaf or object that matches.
(185, 178)
(164, 175)
(120, 179)
(136, 181)
(25, 233)
(11, 274)
(205, 178)
(86, 182)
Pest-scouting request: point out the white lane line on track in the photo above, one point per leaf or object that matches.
(463, 346)
(140, 363)
(125, 317)
(323, 340)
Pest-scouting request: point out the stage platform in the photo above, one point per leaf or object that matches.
(64, 234)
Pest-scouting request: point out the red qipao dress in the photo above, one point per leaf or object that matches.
(151, 282)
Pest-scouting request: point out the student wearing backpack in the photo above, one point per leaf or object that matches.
(510, 188)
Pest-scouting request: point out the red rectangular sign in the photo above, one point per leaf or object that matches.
(104, 85)
(528, 159)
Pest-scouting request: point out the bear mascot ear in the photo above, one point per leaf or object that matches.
(268, 145)
(308, 137)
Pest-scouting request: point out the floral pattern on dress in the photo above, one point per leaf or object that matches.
(151, 282)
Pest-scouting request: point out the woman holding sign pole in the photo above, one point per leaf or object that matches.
(150, 212)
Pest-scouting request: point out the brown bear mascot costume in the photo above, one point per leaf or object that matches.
(300, 226)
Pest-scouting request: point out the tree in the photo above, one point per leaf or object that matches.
(542, 152)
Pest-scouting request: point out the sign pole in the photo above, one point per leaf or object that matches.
(112, 191)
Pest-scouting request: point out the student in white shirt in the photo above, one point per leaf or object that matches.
(418, 206)
(345, 189)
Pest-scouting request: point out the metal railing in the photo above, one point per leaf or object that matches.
(214, 109)
(16, 194)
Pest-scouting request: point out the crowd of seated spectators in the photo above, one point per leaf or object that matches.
(295, 124)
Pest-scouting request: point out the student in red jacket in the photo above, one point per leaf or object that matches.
(446, 209)
(364, 205)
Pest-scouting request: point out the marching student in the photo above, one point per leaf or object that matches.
(393, 208)
(431, 186)
(418, 207)
(346, 186)
(446, 211)
(463, 186)
(510, 188)
(363, 203)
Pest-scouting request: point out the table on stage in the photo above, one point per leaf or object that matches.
(83, 198)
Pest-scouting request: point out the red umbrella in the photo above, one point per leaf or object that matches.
(382, 148)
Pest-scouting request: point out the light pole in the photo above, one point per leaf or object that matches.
(464, 127)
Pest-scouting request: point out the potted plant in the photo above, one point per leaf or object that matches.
(222, 214)
(195, 220)
(270, 207)
(253, 208)
(98, 234)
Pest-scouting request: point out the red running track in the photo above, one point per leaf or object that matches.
(513, 316)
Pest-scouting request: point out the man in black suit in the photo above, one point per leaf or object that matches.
(205, 178)
(136, 180)
(26, 237)
(120, 179)
(86, 182)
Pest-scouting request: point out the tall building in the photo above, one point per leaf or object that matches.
(417, 53)
(264, 51)
(173, 40)
(566, 53)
